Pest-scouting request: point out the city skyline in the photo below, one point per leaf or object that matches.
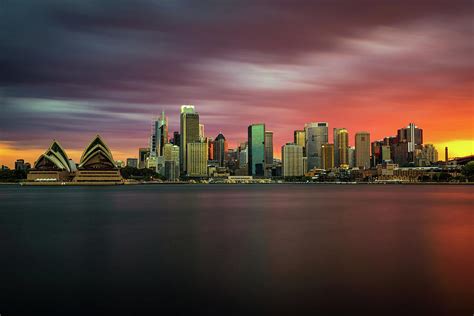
(75, 155)
(75, 70)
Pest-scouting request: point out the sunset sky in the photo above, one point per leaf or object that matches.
(73, 69)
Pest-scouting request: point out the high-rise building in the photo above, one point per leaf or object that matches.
(189, 133)
(327, 155)
(352, 158)
(430, 153)
(197, 159)
(220, 148)
(143, 154)
(386, 155)
(268, 150)
(341, 147)
(132, 162)
(362, 150)
(201, 132)
(256, 149)
(171, 162)
(292, 160)
(413, 136)
(299, 138)
(376, 157)
(176, 139)
(159, 135)
(316, 135)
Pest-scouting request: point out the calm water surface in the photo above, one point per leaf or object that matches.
(237, 249)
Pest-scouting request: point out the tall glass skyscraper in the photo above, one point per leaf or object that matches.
(268, 150)
(189, 132)
(256, 149)
(316, 135)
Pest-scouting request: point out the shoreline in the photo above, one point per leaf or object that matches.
(68, 184)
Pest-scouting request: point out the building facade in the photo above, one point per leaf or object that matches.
(299, 138)
(327, 154)
(196, 159)
(189, 133)
(292, 160)
(268, 152)
(316, 135)
(362, 150)
(132, 162)
(341, 147)
(220, 148)
(256, 149)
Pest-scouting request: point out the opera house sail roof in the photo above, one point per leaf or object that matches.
(97, 155)
(55, 158)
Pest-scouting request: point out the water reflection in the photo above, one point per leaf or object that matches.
(250, 249)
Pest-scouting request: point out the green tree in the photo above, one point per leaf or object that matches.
(468, 171)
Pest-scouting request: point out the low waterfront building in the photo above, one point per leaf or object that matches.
(52, 166)
(97, 164)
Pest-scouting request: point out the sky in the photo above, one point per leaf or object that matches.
(72, 69)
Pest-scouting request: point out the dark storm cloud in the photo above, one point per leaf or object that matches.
(115, 63)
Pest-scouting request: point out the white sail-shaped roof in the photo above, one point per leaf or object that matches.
(55, 157)
(97, 155)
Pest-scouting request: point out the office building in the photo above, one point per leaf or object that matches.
(268, 152)
(430, 153)
(176, 139)
(171, 162)
(292, 160)
(299, 138)
(189, 133)
(327, 155)
(341, 147)
(362, 150)
(412, 135)
(201, 132)
(220, 148)
(256, 149)
(316, 135)
(132, 162)
(352, 158)
(143, 154)
(196, 159)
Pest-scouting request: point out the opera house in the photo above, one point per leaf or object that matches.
(96, 166)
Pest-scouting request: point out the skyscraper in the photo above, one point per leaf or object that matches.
(299, 138)
(351, 155)
(171, 161)
(362, 150)
(220, 148)
(176, 138)
(189, 133)
(341, 147)
(292, 160)
(159, 135)
(196, 159)
(201, 132)
(327, 155)
(413, 136)
(143, 154)
(256, 149)
(316, 135)
(268, 150)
